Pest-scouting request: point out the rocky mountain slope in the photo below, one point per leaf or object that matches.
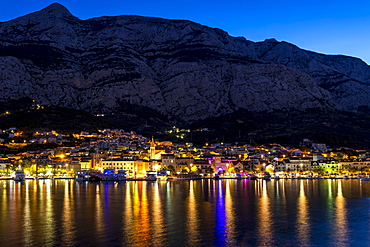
(179, 68)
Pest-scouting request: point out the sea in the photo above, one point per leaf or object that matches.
(206, 212)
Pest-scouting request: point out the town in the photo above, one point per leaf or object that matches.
(117, 150)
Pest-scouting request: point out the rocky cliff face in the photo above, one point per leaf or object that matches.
(180, 68)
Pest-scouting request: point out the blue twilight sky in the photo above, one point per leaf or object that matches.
(325, 26)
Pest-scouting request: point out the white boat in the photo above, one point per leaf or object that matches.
(151, 176)
(19, 176)
(162, 175)
(121, 175)
(82, 175)
(88, 175)
(108, 175)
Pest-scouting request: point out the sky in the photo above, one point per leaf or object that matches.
(324, 26)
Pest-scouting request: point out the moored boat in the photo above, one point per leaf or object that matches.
(121, 175)
(266, 176)
(88, 175)
(81, 175)
(186, 176)
(162, 175)
(151, 176)
(19, 175)
(107, 175)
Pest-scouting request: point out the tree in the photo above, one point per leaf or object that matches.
(171, 168)
(185, 170)
(23, 165)
(270, 170)
(319, 170)
(231, 170)
(8, 167)
(195, 169)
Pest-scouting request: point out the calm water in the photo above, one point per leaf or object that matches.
(185, 213)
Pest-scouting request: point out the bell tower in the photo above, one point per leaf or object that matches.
(152, 149)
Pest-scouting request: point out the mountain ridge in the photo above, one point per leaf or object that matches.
(179, 68)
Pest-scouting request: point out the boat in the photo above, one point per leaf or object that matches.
(81, 175)
(162, 175)
(19, 176)
(88, 175)
(137, 179)
(121, 175)
(365, 178)
(107, 175)
(253, 177)
(216, 176)
(151, 176)
(238, 176)
(186, 176)
(266, 176)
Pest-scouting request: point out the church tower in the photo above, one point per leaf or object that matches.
(152, 149)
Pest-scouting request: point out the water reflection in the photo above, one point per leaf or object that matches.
(230, 214)
(185, 213)
(192, 226)
(68, 225)
(99, 223)
(157, 215)
(27, 233)
(127, 216)
(220, 216)
(264, 224)
(303, 219)
(340, 224)
(141, 212)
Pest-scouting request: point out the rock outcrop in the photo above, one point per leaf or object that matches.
(180, 68)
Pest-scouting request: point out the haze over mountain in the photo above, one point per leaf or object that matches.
(179, 68)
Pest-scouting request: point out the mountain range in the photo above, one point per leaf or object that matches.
(180, 69)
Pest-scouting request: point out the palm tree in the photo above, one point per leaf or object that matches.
(8, 167)
(171, 169)
(40, 164)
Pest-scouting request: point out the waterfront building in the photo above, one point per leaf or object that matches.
(168, 160)
(243, 166)
(327, 165)
(204, 166)
(183, 163)
(118, 164)
(354, 164)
